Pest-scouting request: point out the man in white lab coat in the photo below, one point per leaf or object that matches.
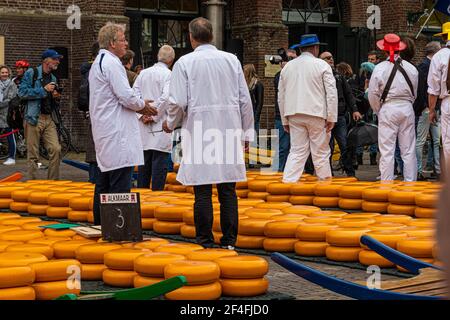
(153, 84)
(437, 89)
(112, 107)
(308, 101)
(209, 96)
(395, 112)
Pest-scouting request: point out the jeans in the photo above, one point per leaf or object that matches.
(154, 169)
(430, 157)
(115, 181)
(203, 214)
(93, 172)
(284, 145)
(340, 134)
(11, 144)
(423, 127)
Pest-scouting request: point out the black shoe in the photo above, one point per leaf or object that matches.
(373, 159)
(229, 247)
(420, 177)
(360, 159)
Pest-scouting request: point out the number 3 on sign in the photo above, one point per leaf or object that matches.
(122, 222)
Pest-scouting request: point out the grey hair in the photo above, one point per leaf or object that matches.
(201, 30)
(108, 34)
(166, 54)
(432, 47)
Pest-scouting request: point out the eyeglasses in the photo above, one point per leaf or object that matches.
(328, 58)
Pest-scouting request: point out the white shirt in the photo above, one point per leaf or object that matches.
(399, 91)
(153, 84)
(438, 74)
(209, 96)
(112, 107)
(307, 86)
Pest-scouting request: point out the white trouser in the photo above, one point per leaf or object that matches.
(308, 135)
(445, 131)
(396, 121)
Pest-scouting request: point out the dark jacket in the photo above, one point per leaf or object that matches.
(422, 90)
(257, 95)
(276, 80)
(346, 100)
(90, 147)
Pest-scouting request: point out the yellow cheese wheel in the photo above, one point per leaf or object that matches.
(372, 206)
(242, 267)
(153, 264)
(21, 195)
(301, 200)
(147, 223)
(119, 278)
(6, 244)
(244, 287)
(417, 247)
(355, 223)
(326, 202)
(315, 232)
(345, 237)
(4, 203)
(54, 289)
(425, 212)
(16, 277)
(217, 237)
(393, 218)
(9, 228)
(242, 185)
(66, 249)
(388, 237)
(122, 259)
(188, 231)
(353, 191)
(322, 219)
(21, 235)
(249, 202)
(93, 253)
(405, 197)
(5, 191)
(258, 195)
(279, 244)
(419, 232)
(256, 213)
(177, 188)
(59, 233)
(278, 188)
(178, 248)
(252, 227)
(387, 226)
(19, 206)
(427, 199)
(278, 198)
(377, 193)
(303, 189)
(167, 227)
(210, 254)
(77, 216)
(288, 217)
(369, 258)
(61, 199)
(344, 254)
(7, 216)
(58, 212)
(46, 250)
(19, 259)
(242, 194)
(171, 212)
(310, 248)
(55, 270)
(50, 241)
(350, 204)
(273, 205)
(19, 293)
(148, 208)
(90, 217)
(140, 281)
(401, 209)
(19, 221)
(151, 243)
(80, 203)
(37, 209)
(196, 272)
(211, 291)
(39, 197)
(328, 214)
(281, 229)
(361, 215)
(250, 242)
(259, 185)
(301, 209)
(425, 223)
(327, 190)
(92, 272)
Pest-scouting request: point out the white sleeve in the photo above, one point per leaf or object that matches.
(434, 77)
(121, 88)
(329, 82)
(281, 97)
(163, 101)
(375, 90)
(178, 96)
(246, 108)
(138, 91)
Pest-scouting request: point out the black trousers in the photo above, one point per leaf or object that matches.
(115, 181)
(154, 169)
(203, 214)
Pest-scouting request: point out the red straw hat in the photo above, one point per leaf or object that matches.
(391, 43)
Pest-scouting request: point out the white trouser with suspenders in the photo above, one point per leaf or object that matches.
(445, 130)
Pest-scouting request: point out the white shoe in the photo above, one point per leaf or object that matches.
(9, 162)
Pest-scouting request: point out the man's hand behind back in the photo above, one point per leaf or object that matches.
(329, 126)
(149, 109)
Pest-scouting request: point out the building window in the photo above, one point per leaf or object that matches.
(164, 6)
(175, 33)
(2, 50)
(311, 11)
(436, 20)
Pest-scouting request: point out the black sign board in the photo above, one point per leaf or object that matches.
(121, 217)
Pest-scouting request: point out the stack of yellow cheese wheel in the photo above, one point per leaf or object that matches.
(5, 195)
(148, 213)
(91, 257)
(278, 192)
(20, 200)
(402, 201)
(120, 264)
(150, 267)
(38, 200)
(327, 194)
(188, 229)
(344, 243)
(280, 235)
(351, 195)
(79, 209)
(375, 199)
(417, 247)
(169, 218)
(426, 203)
(59, 204)
(312, 239)
(19, 286)
(302, 193)
(388, 237)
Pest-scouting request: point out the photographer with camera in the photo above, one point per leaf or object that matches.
(39, 87)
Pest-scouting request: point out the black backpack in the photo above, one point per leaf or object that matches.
(83, 93)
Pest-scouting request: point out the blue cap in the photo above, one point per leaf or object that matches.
(50, 53)
(308, 40)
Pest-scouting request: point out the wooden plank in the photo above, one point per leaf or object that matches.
(88, 232)
(416, 289)
(428, 275)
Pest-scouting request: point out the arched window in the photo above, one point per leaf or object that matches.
(311, 11)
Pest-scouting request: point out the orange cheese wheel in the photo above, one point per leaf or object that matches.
(278, 188)
(178, 248)
(59, 233)
(344, 254)
(188, 231)
(377, 194)
(279, 244)
(250, 242)
(303, 189)
(256, 213)
(259, 185)
(326, 202)
(90, 217)
(16, 277)
(244, 287)
(151, 243)
(50, 241)
(425, 212)
(153, 264)
(196, 272)
(177, 188)
(8, 216)
(258, 195)
(77, 216)
(313, 231)
(19, 206)
(301, 209)
(37, 209)
(39, 197)
(355, 223)
(370, 258)
(58, 212)
(61, 199)
(171, 212)
(419, 232)
(372, 206)
(148, 208)
(388, 237)
(301, 200)
(328, 214)
(6, 244)
(55, 270)
(249, 202)
(327, 190)
(46, 250)
(21, 195)
(310, 248)
(424, 223)
(353, 191)
(166, 227)
(401, 209)
(119, 278)
(242, 185)
(92, 272)
(66, 249)
(210, 254)
(211, 291)
(387, 226)
(288, 217)
(394, 218)
(252, 227)
(9, 228)
(278, 198)
(416, 247)
(147, 223)
(19, 259)
(281, 229)
(345, 237)
(427, 199)
(19, 221)
(93, 253)
(361, 215)
(80, 203)
(242, 267)
(140, 281)
(273, 205)
(322, 219)
(242, 194)
(122, 259)
(21, 235)
(19, 293)
(405, 197)
(350, 204)
(5, 191)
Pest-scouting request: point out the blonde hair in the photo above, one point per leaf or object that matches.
(250, 73)
(166, 54)
(108, 34)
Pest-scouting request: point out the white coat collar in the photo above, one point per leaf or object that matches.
(109, 53)
(162, 65)
(205, 47)
(308, 54)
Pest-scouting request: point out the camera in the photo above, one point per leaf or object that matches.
(281, 57)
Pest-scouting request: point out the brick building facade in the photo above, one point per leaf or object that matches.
(252, 28)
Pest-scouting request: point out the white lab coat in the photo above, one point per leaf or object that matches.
(112, 107)
(153, 84)
(396, 118)
(209, 96)
(437, 86)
